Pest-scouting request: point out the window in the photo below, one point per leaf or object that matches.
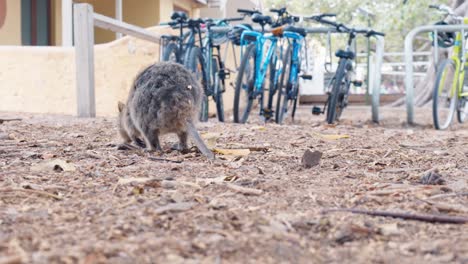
(35, 22)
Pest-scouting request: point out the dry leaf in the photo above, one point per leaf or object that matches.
(57, 165)
(261, 128)
(210, 139)
(330, 137)
(232, 152)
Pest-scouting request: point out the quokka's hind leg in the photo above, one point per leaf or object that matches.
(151, 138)
(139, 142)
(183, 136)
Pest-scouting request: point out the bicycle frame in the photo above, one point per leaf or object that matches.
(297, 42)
(262, 61)
(460, 58)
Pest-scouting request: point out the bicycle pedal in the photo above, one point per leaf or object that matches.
(316, 110)
(306, 76)
(357, 83)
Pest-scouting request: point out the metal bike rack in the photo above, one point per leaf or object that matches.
(409, 85)
(376, 80)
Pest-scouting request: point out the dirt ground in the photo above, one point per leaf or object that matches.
(67, 195)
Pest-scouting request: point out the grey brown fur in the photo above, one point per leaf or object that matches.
(165, 98)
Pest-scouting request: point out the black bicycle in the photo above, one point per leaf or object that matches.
(175, 47)
(338, 89)
(209, 56)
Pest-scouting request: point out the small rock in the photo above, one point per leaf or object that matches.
(432, 178)
(168, 184)
(311, 158)
(4, 136)
(177, 197)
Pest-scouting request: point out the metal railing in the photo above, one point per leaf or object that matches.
(84, 21)
(409, 84)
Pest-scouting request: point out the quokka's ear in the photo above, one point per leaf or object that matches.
(121, 106)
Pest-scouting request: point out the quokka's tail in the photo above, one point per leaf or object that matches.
(193, 133)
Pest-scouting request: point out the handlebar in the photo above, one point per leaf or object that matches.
(248, 12)
(343, 28)
(280, 11)
(233, 19)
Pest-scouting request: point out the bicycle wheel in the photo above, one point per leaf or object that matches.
(444, 97)
(462, 109)
(218, 91)
(284, 86)
(196, 65)
(272, 86)
(171, 53)
(245, 82)
(336, 93)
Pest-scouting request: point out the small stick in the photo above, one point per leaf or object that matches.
(437, 196)
(419, 217)
(9, 120)
(244, 190)
(162, 159)
(33, 191)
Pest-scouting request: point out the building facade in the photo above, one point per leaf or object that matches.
(49, 22)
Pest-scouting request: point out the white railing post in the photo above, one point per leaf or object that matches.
(377, 80)
(67, 25)
(118, 15)
(84, 57)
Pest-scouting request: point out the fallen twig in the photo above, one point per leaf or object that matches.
(243, 190)
(438, 196)
(33, 191)
(166, 160)
(410, 216)
(9, 120)
(396, 170)
(175, 207)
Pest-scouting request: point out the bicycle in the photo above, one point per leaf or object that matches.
(174, 47)
(208, 65)
(338, 88)
(256, 63)
(450, 96)
(289, 83)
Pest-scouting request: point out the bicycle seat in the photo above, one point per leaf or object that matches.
(298, 30)
(345, 54)
(261, 19)
(179, 15)
(170, 37)
(195, 22)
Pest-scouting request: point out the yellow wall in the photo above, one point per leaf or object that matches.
(106, 8)
(56, 22)
(10, 33)
(144, 14)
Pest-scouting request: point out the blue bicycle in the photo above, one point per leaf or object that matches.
(258, 61)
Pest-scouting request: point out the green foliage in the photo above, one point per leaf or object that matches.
(391, 16)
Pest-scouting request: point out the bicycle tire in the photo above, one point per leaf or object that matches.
(248, 87)
(335, 93)
(446, 71)
(462, 106)
(171, 53)
(196, 65)
(272, 87)
(218, 94)
(284, 87)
